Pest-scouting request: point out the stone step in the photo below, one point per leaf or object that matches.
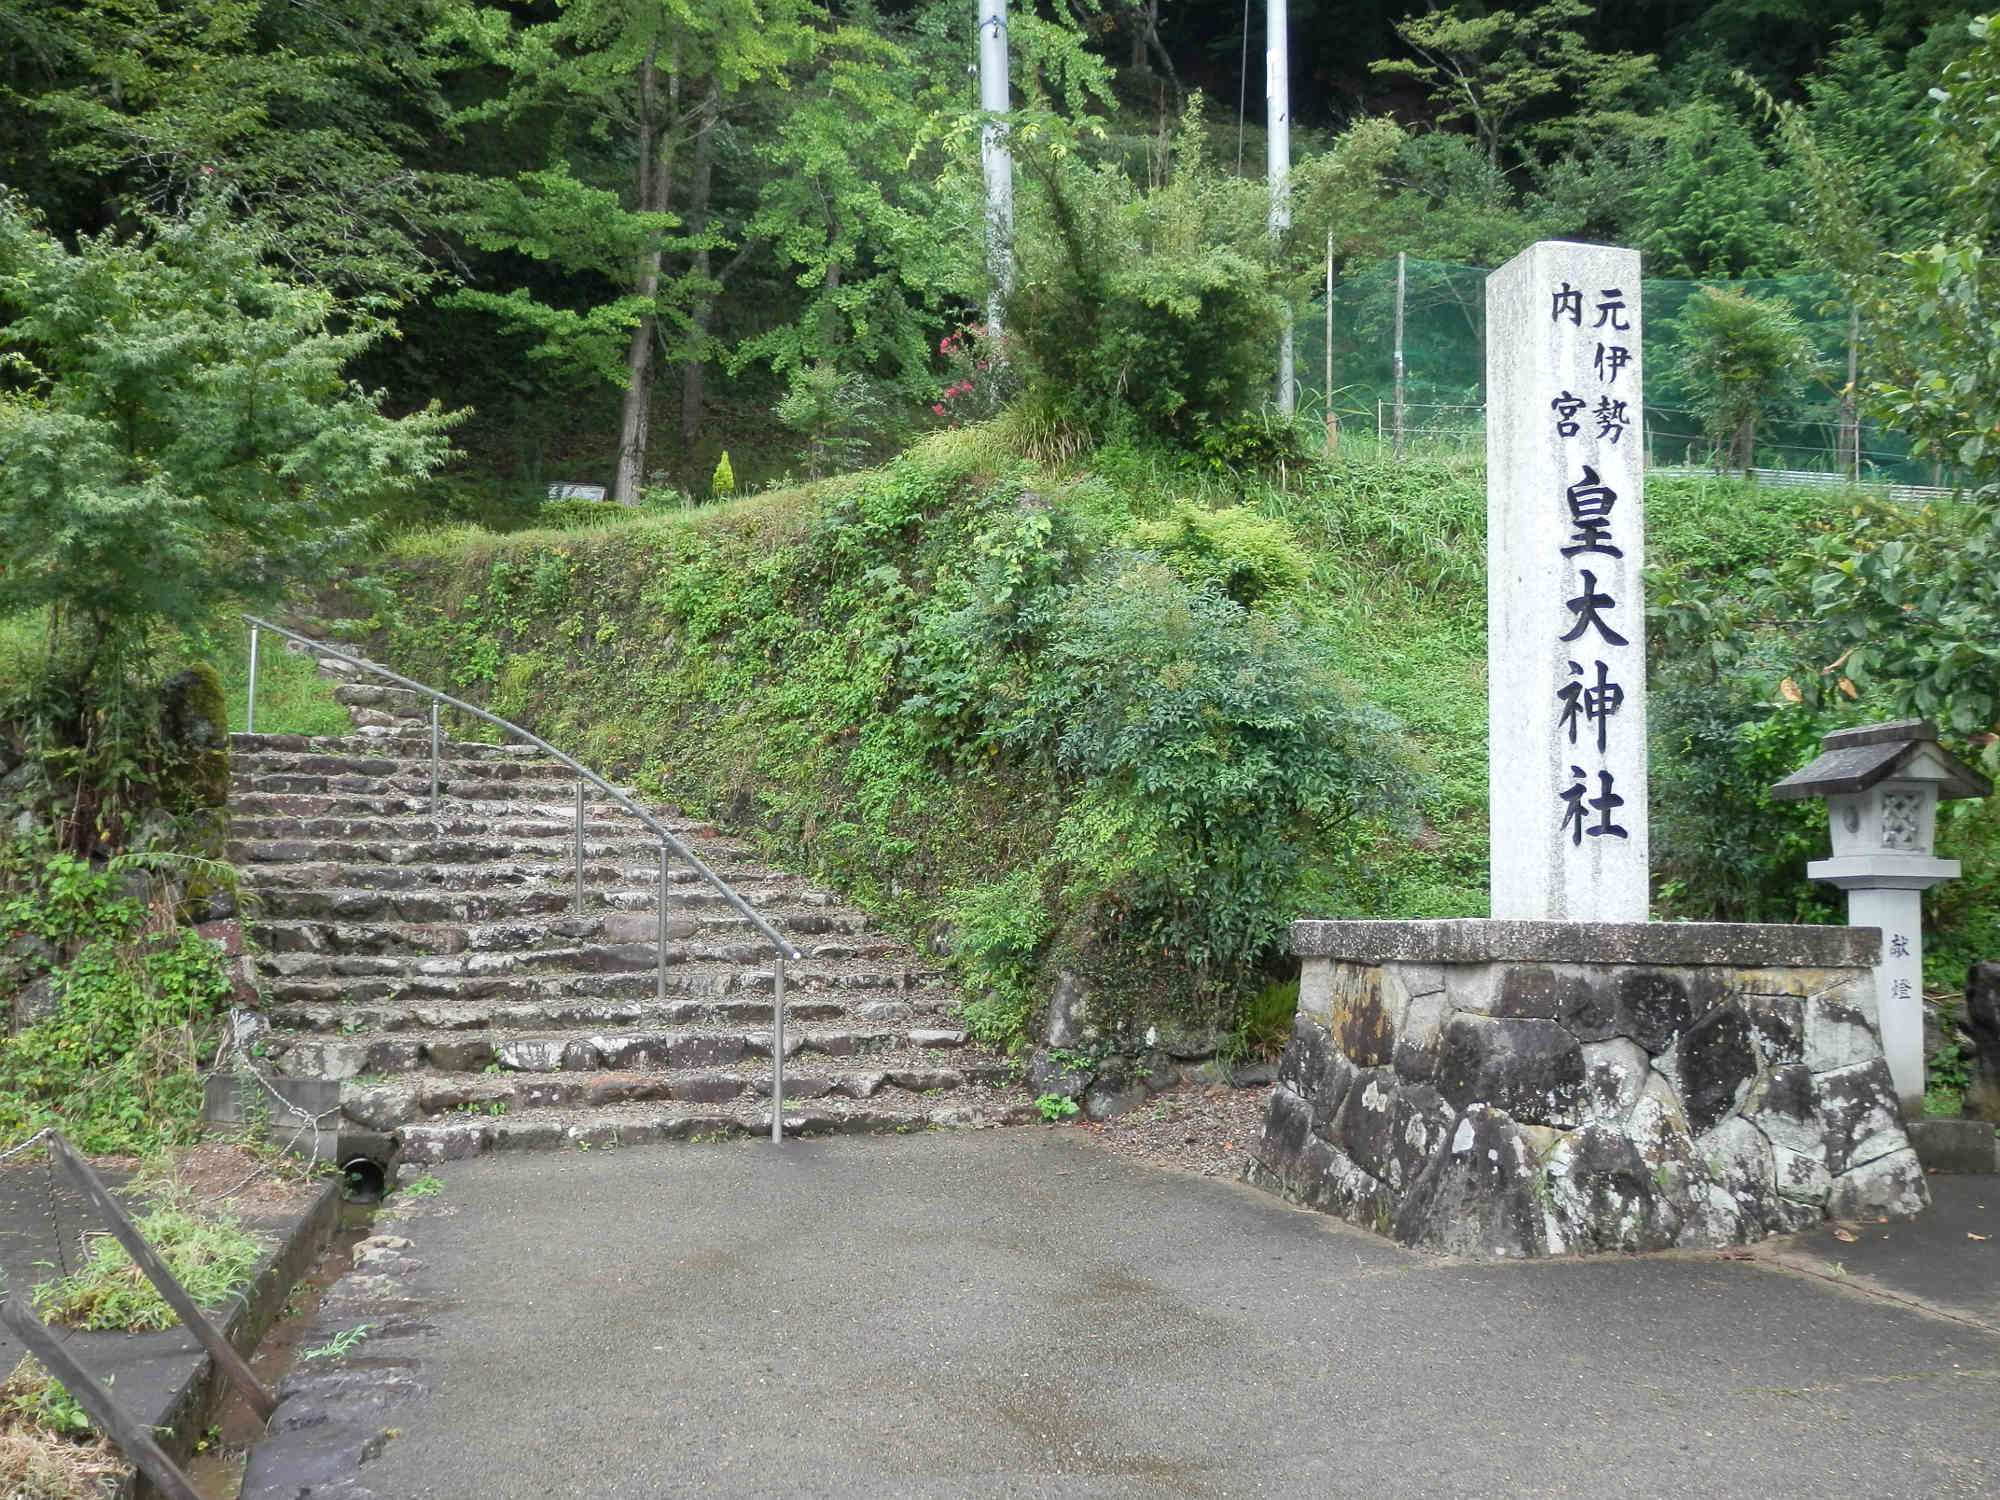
(690, 911)
(909, 1053)
(297, 1021)
(377, 762)
(616, 940)
(498, 823)
(410, 747)
(640, 1124)
(721, 855)
(757, 885)
(543, 793)
(369, 702)
(686, 973)
(593, 958)
(418, 1097)
(574, 997)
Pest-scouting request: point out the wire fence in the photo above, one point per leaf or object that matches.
(1440, 311)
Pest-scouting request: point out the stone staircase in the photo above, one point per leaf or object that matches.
(432, 965)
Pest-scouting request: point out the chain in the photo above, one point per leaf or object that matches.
(238, 1056)
(34, 1140)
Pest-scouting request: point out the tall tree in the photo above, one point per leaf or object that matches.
(178, 427)
(310, 121)
(1495, 68)
(611, 89)
(863, 237)
(1742, 356)
(1714, 204)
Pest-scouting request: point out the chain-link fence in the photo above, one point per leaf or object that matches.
(1439, 403)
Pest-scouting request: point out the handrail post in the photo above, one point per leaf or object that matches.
(250, 716)
(434, 757)
(661, 989)
(577, 906)
(778, 1053)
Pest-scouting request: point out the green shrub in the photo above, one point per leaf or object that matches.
(1248, 556)
(579, 515)
(115, 1067)
(1141, 309)
(1001, 928)
(1215, 753)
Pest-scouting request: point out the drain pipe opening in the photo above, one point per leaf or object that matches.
(363, 1180)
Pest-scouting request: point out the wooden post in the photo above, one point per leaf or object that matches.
(132, 1438)
(127, 1234)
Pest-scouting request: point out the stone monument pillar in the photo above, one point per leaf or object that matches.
(1565, 619)
(1567, 1076)
(1882, 784)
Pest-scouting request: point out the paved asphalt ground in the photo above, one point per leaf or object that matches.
(1017, 1313)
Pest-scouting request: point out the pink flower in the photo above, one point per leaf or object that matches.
(936, 410)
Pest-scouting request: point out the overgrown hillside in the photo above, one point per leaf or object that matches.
(1118, 716)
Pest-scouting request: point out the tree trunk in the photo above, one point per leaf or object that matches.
(1743, 451)
(655, 174)
(694, 368)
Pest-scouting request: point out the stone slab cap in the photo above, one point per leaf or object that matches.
(1477, 940)
(1853, 760)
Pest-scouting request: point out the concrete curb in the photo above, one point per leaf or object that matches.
(1955, 1145)
(180, 1417)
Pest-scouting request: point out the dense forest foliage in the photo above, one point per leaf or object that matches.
(622, 232)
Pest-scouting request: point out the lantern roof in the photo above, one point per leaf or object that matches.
(1853, 760)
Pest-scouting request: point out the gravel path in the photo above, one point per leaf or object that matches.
(1206, 1130)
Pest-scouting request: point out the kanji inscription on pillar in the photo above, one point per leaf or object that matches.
(1565, 614)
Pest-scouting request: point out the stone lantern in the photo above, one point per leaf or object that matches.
(1882, 784)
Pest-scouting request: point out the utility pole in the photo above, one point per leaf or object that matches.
(996, 159)
(1278, 167)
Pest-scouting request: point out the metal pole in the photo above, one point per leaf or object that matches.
(1331, 424)
(1850, 416)
(250, 717)
(1278, 169)
(996, 160)
(661, 987)
(778, 1054)
(434, 757)
(578, 905)
(1402, 284)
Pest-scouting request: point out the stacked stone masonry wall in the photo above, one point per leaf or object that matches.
(1529, 1109)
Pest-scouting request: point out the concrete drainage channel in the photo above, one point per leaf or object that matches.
(340, 1356)
(357, 1366)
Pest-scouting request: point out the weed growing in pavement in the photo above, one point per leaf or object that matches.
(31, 1397)
(341, 1344)
(427, 1186)
(1056, 1107)
(211, 1256)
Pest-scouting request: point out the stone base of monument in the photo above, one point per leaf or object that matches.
(1495, 1088)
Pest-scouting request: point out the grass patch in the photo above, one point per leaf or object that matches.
(292, 698)
(212, 1257)
(48, 1450)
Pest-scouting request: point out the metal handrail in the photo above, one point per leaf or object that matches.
(584, 774)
